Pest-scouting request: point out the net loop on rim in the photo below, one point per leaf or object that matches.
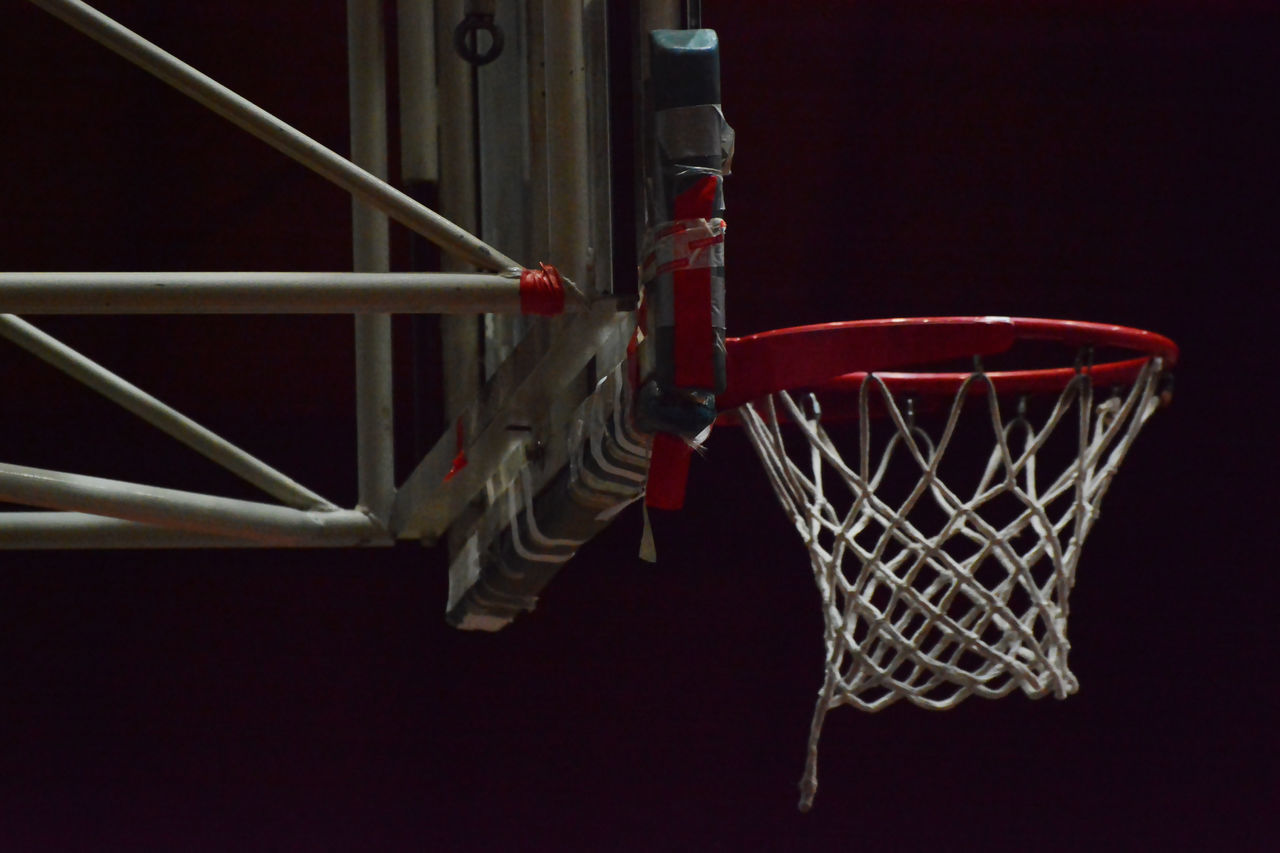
(942, 575)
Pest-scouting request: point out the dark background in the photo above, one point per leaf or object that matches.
(1100, 161)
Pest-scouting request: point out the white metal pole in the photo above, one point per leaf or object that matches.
(539, 183)
(156, 413)
(63, 530)
(420, 177)
(371, 251)
(419, 119)
(566, 113)
(278, 134)
(460, 341)
(264, 293)
(267, 523)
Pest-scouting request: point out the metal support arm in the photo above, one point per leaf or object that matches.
(64, 530)
(267, 524)
(156, 413)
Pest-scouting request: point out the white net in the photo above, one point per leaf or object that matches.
(937, 590)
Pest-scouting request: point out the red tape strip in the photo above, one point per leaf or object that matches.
(459, 461)
(693, 339)
(668, 471)
(542, 291)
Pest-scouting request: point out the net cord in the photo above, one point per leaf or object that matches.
(871, 651)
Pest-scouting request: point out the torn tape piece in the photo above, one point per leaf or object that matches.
(648, 548)
(682, 245)
(542, 291)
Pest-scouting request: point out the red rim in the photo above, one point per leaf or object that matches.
(839, 355)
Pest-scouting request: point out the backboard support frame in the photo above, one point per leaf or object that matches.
(101, 513)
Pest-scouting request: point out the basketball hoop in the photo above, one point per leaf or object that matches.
(942, 575)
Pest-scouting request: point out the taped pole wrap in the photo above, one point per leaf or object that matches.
(542, 291)
(683, 355)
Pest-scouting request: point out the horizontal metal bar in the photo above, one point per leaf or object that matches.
(156, 413)
(263, 293)
(66, 530)
(427, 503)
(266, 523)
(276, 133)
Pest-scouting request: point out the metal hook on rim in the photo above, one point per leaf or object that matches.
(1084, 359)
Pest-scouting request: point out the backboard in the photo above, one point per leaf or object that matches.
(549, 166)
